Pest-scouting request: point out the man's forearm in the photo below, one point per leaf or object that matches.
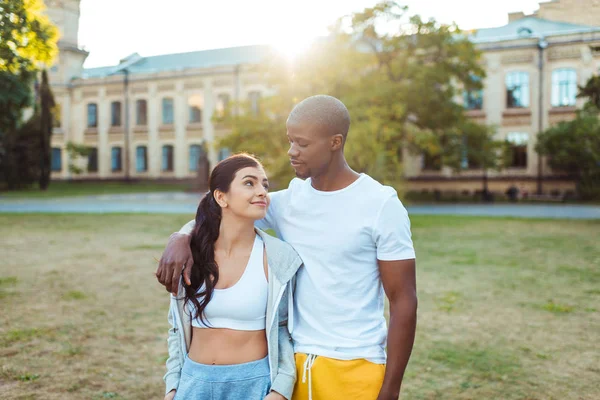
(401, 337)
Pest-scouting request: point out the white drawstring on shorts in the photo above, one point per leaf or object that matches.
(310, 360)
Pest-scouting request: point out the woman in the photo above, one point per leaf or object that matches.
(229, 337)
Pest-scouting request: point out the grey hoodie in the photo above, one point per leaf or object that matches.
(283, 263)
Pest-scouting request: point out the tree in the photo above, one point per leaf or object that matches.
(483, 150)
(14, 97)
(398, 84)
(591, 91)
(78, 157)
(27, 37)
(27, 41)
(45, 130)
(573, 147)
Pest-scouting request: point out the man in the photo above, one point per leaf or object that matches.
(353, 235)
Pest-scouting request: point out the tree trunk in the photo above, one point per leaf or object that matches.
(485, 192)
(47, 104)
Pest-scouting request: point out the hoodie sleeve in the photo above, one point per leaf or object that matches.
(173, 374)
(286, 374)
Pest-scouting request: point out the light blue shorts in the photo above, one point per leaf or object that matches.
(248, 381)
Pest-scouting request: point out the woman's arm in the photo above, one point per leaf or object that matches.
(173, 374)
(286, 372)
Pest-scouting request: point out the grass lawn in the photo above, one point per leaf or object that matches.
(82, 188)
(508, 309)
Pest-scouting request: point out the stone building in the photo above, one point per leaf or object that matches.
(151, 117)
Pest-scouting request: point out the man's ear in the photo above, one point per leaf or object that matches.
(337, 141)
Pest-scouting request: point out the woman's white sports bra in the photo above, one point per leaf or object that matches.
(243, 306)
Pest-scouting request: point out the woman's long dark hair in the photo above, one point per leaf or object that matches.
(205, 271)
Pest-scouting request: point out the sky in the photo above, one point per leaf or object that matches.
(112, 29)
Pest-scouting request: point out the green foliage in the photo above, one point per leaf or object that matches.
(15, 95)
(573, 147)
(398, 84)
(591, 91)
(27, 41)
(27, 37)
(46, 125)
(20, 165)
(77, 154)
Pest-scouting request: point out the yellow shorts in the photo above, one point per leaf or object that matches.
(330, 379)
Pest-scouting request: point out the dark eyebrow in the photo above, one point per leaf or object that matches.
(255, 178)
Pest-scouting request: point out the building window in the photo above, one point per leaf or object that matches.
(473, 99)
(195, 104)
(518, 142)
(115, 113)
(254, 98)
(167, 111)
(115, 159)
(517, 90)
(224, 153)
(167, 158)
(222, 103)
(92, 115)
(195, 153)
(564, 87)
(93, 160)
(141, 159)
(56, 158)
(57, 116)
(141, 112)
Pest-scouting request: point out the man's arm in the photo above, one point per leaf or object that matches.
(177, 254)
(399, 284)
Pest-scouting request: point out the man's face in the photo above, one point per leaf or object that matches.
(310, 149)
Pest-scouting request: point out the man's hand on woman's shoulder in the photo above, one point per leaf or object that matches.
(177, 254)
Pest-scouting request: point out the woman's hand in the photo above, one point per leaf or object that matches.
(170, 395)
(274, 396)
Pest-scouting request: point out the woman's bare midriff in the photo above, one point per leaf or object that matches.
(217, 346)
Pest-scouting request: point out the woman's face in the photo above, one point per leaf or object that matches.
(248, 194)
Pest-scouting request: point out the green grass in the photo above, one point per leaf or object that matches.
(74, 295)
(508, 308)
(82, 188)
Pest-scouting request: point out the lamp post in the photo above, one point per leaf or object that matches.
(126, 127)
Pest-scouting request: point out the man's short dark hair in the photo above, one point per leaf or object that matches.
(324, 111)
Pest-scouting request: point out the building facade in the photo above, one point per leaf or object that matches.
(151, 117)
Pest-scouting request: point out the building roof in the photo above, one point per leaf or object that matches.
(519, 29)
(528, 27)
(179, 61)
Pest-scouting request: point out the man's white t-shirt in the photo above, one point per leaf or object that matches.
(340, 235)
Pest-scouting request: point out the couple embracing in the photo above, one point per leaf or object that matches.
(300, 316)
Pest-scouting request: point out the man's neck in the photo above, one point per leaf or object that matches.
(338, 176)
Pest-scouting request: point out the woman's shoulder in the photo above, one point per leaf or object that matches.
(282, 257)
(272, 242)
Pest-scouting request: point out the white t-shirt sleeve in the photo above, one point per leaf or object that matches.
(270, 220)
(392, 232)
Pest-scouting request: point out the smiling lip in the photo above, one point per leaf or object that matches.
(260, 203)
(295, 163)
